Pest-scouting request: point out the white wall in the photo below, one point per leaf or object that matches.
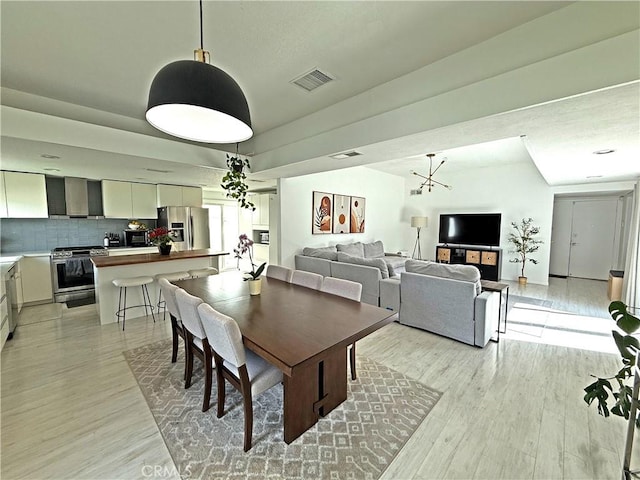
(515, 190)
(384, 194)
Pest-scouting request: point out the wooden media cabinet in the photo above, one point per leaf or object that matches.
(487, 260)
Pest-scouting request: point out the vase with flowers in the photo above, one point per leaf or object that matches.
(245, 246)
(161, 237)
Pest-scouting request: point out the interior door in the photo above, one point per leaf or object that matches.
(592, 238)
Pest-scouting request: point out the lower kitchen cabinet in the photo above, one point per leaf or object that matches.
(36, 283)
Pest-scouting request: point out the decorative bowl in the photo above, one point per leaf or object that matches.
(134, 226)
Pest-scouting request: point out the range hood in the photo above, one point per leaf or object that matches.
(73, 197)
(76, 197)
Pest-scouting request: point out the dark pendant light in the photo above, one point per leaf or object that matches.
(194, 100)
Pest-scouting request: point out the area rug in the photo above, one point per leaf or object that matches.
(357, 440)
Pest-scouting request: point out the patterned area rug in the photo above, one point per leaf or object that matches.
(357, 440)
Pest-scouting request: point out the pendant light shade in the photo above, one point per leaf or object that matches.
(194, 100)
(197, 101)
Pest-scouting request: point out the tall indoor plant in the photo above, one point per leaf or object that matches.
(524, 243)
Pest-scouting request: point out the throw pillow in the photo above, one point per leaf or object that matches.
(466, 273)
(355, 249)
(373, 250)
(369, 262)
(329, 253)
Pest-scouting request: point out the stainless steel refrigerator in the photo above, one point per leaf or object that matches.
(190, 226)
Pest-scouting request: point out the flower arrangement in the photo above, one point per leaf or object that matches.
(245, 245)
(160, 236)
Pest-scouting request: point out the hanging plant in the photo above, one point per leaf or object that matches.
(234, 181)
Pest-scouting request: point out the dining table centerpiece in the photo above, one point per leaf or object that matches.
(161, 237)
(245, 246)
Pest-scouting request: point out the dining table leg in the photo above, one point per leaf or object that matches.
(312, 391)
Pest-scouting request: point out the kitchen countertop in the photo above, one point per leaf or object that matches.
(101, 262)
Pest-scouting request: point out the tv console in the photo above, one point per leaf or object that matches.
(487, 260)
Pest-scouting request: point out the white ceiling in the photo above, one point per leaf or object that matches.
(104, 54)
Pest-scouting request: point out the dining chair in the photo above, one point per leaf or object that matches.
(307, 279)
(279, 273)
(247, 372)
(168, 291)
(196, 342)
(352, 291)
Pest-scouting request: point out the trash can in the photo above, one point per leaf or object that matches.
(614, 289)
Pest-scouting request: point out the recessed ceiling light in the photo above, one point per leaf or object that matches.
(51, 169)
(604, 151)
(52, 157)
(340, 156)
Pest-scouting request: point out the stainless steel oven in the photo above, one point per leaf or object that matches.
(72, 272)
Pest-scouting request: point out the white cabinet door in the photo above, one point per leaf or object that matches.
(26, 195)
(143, 200)
(169, 196)
(36, 279)
(3, 198)
(264, 210)
(116, 199)
(191, 196)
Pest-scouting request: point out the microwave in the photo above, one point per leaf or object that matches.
(136, 238)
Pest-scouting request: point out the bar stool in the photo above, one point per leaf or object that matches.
(123, 284)
(171, 277)
(203, 272)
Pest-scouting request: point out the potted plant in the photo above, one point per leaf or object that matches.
(234, 181)
(602, 389)
(245, 245)
(161, 237)
(524, 244)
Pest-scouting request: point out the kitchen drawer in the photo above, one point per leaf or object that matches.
(4, 331)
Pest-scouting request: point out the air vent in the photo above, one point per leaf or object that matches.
(156, 170)
(312, 80)
(417, 191)
(340, 156)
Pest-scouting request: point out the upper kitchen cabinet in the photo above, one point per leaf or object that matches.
(178, 196)
(25, 195)
(128, 200)
(261, 213)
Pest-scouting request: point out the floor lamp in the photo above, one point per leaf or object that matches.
(418, 222)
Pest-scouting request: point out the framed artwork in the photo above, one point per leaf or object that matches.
(341, 213)
(322, 210)
(357, 215)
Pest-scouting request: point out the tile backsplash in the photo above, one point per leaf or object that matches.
(18, 235)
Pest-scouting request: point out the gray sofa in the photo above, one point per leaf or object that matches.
(443, 299)
(365, 263)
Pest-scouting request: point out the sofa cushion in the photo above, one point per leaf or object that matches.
(466, 273)
(355, 249)
(373, 250)
(395, 264)
(369, 262)
(328, 253)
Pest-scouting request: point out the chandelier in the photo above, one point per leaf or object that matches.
(429, 182)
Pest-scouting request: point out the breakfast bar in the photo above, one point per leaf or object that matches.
(147, 264)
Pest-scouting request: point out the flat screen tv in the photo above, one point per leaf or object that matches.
(470, 229)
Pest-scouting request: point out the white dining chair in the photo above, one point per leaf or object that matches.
(352, 291)
(169, 294)
(247, 372)
(307, 279)
(196, 341)
(279, 273)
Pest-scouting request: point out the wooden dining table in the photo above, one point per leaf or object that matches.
(304, 332)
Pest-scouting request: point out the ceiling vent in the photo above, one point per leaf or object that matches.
(417, 191)
(313, 79)
(340, 156)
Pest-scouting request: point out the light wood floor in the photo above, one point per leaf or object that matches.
(72, 409)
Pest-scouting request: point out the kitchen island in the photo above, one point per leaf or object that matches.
(146, 264)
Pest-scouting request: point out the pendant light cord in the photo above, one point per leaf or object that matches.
(201, 35)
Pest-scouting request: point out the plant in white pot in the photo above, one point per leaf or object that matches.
(245, 245)
(524, 243)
